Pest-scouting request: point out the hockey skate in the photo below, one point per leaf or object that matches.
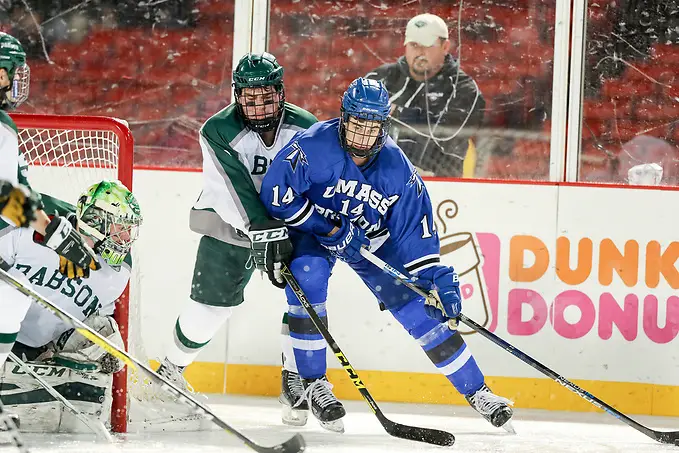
(324, 405)
(295, 406)
(173, 373)
(493, 408)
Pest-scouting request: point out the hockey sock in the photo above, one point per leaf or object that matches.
(308, 345)
(286, 346)
(194, 329)
(13, 306)
(6, 342)
(444, 347)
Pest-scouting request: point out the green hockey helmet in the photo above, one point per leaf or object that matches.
(14, 83)
(258, 87)
(108, 213)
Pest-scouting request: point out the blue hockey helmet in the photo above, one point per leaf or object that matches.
(366, 102)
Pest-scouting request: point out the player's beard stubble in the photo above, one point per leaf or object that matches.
(420, 66)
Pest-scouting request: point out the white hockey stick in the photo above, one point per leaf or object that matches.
(295, 444)
(95, 425)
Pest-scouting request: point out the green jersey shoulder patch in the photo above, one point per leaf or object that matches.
(222, 127)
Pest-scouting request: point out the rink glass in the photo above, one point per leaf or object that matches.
(166, 67)
(631, 103)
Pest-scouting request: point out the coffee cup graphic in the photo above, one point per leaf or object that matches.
(461, 251)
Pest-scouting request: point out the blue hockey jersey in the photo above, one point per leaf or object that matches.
(313, 180)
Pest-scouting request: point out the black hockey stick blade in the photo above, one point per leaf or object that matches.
(666, 437)
(295, 444)
(428, 435)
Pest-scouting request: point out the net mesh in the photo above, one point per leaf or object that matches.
(62, 163)
(65, 157)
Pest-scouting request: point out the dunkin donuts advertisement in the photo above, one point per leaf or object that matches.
(592, 272)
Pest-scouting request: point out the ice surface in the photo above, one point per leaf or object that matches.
(259, 418)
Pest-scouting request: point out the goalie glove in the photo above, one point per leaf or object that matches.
(271, 248)
(75, 351)
(76, 258)
(18, 204)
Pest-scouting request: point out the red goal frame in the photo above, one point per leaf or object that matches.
(125, 169)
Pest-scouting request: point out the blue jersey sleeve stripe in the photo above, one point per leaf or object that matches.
(420, 264)
(300, 216)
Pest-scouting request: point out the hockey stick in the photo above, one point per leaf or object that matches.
(428, 435)
(293, 445)
(95, 425)
(11, 430)
(666, 437)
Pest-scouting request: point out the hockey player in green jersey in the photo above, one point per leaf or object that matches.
(238, 143)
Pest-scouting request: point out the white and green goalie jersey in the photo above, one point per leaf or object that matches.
(37, 265)
(235, 160)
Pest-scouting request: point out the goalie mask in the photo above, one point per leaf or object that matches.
(15, 79)
(258, 88)
(109, 214)
(364, 119)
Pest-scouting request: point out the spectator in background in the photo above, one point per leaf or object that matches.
(436, 107)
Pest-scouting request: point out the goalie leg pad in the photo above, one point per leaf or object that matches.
(39, 412)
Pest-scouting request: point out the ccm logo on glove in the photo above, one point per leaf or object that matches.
(269, 235)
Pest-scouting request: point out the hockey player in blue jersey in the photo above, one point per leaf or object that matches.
(343, 184)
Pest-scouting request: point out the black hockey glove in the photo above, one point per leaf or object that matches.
(271, 248)
(76, 258)
(18, 204)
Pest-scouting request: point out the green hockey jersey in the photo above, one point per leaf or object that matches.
(235, 160)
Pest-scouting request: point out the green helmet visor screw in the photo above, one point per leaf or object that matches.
(109, 214)
(259, 92)
(15, 80)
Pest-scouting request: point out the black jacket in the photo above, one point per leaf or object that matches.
(456, 110)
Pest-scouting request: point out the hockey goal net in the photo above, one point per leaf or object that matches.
(66, 154)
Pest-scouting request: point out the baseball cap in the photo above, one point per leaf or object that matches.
(425, 29)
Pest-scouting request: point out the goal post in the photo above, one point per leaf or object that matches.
(66, 154)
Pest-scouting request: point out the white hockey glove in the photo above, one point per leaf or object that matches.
(75, 351)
